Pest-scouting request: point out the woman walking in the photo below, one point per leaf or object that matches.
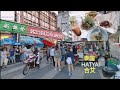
(57, 58)
(52, 50)
(63, 53)
(4, 59)
(70, 61)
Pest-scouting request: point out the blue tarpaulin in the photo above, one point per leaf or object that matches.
(8, 41)
(31, 40)
(16, 43)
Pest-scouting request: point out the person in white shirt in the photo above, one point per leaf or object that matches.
(28, 51)
(52, 55)
(71, 49)
(3, 56)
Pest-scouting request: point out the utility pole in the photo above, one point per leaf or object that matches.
(17, 35)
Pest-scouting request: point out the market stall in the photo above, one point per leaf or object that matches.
(31, 40)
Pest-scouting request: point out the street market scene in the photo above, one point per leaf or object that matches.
(60, 44)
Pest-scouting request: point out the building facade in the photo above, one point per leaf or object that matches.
(47, 20)
(63, 24)
(43, 19)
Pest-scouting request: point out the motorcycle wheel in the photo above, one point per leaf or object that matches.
(26, 69)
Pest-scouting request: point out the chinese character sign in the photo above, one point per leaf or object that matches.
(13, 27)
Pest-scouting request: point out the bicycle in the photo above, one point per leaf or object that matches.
(31, 64)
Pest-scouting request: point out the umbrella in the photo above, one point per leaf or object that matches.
(48, 43)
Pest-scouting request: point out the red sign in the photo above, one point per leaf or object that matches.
(45, 33)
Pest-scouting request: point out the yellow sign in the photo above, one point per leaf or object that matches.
(2, 37)
(92, 58)
(89, 70)
(86, 58)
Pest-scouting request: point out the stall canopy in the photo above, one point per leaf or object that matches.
(48, 43)
(8, 41)
(31, 40)
(17, 44)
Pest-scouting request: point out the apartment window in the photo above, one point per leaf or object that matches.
(42, 23)
(37, 14)
(33, 12)
(24, 14)
(43, 12)
(18, 12)
(47, 19)
(41, 17)
(46, 25)
(29, 12)
(37, 24)
(29, 16)
(36, 20)
(47, 13)
(33, 18)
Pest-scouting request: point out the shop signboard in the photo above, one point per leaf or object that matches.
(44, 33)
(13, 27)
(8, 41)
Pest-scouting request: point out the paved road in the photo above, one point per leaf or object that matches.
(47, 72)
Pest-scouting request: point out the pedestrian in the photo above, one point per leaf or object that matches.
(74, 50)
(80, 54)
(52, 50)
(70, 61)
(4, 59)
(71, 49)
(86, 49)
(12, 55)
(63, 53)
(57, 58)
(17, 55)
(48, 54)
(23, 55)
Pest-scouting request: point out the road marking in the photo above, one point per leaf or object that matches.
(21, 76)
(50, 74)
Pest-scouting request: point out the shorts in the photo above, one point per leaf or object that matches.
(69, 60)
(12, 58)
(63, 58)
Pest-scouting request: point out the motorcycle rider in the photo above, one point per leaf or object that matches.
(37, 54)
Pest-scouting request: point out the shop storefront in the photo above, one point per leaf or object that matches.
(49, 37)
(29, 34)
(8, 30)
(7, 39)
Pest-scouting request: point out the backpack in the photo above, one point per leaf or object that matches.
(57, 54)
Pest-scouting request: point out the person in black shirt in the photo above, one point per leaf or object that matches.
(74, 50)
(17, 55)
